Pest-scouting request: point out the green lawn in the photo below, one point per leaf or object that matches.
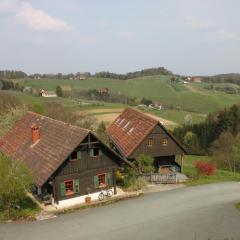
(152, 87)
(28, 210)
(74, 104)
(190, 171)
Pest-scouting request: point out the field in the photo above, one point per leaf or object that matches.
(190, 97)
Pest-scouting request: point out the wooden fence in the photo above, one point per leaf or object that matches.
(160, 177)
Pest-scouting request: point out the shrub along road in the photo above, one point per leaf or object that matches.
(200, 212)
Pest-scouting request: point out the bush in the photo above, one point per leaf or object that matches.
(131, 180)
(205, 168)
(137, 184)
(144, 164)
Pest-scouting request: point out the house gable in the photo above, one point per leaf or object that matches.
(157, 136)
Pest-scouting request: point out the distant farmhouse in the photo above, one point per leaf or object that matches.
(45, 93)
(80, 76)
(102, 90)
(134, 133)
(156, 105)
(67, 162)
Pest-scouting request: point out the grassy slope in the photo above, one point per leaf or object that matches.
(221, 175)
(153, 87)
(72, 103)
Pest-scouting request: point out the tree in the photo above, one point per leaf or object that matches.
(101, 132)
(190, 141)
(236, 153)
(59, 91)
(15, 180)
(144, 164)
(222, 151)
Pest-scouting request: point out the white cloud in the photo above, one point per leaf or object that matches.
(33, 18)
(9, 6)
(197, 24)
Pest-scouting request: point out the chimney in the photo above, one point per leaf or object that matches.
(35, 133)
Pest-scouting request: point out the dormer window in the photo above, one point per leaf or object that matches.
(126, 125)
(122, 121)
(130, 131)
(117, 121)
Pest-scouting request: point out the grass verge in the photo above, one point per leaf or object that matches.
(27, 211)
(220, 176)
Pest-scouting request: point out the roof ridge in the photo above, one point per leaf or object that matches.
(59, 121)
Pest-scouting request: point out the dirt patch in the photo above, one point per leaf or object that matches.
(109, 110)
(110, 114)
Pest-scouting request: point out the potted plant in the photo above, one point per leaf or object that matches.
(88, 198)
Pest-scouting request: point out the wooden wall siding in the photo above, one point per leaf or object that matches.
(87, 162)
(86, 180)
(85, 169)
(157, 149)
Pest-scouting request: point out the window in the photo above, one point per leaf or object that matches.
(126, 125)
(74, 155)
(164, 141)
(150, 142)
(95, 152)
(102, 180)
(69, 187)
(117, 121)
(122, 121)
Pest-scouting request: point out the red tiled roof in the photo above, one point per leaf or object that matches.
(129, 130)
(57, 141)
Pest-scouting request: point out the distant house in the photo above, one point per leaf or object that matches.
(156, 105)
(102, 90)
(134, 133)
(45, 93)
(67, 162)
(82, 75)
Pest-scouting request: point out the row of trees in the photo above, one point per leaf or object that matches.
(6, 74)
(223, 78)
(130, 75)
(12, 74)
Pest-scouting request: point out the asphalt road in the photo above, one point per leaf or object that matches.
(203, 212)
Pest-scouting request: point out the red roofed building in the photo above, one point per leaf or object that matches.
(66, 161)
(134, 133)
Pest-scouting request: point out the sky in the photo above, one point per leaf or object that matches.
(190, 37)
